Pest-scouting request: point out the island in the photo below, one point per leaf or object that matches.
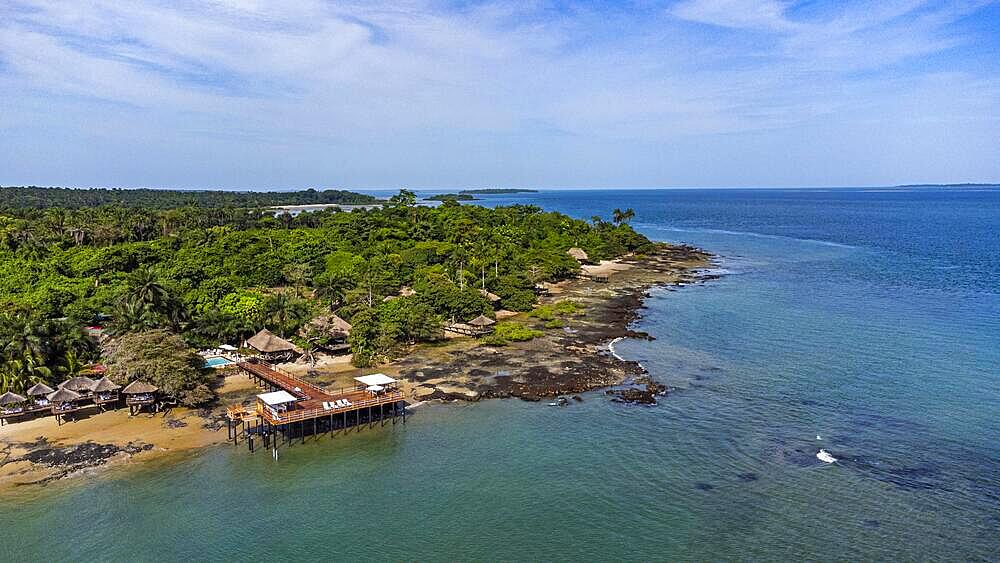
(496, 191)
(172, 308)
(451, 197)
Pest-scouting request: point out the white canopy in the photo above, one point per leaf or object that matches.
(227, 347)
(277, 398)
(375, 379)
(376, 388)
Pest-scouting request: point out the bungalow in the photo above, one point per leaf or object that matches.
(272, 348)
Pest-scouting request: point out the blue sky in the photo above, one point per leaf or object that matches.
(256, 94)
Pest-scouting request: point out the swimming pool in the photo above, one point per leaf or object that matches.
(217, 362)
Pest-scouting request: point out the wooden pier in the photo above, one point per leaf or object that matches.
(307, 409)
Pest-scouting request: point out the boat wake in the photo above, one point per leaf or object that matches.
(752, 234)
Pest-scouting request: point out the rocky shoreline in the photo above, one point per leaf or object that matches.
(565, 361)
(568, 360)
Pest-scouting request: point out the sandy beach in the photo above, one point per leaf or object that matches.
(570, 359)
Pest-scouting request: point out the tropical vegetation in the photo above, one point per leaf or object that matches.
(210, 272)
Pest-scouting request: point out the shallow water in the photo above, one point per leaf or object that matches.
(865, 323)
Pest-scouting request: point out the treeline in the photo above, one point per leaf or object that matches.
(396, 273)
(76, 198)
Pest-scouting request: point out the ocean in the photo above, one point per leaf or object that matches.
(863, 322)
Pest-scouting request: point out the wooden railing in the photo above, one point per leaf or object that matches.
(299, 415)
(284, 380)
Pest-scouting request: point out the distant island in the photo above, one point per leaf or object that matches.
(966, 185)
(451, 197)
(33, 197)
(488, 191)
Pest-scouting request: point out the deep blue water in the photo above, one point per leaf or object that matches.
(865, 322)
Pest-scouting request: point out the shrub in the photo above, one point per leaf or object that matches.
(505, 333)
(543, 312)
(568, 307)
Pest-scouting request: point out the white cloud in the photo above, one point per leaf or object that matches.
(393, 89)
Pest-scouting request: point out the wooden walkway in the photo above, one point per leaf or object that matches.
(311, 399)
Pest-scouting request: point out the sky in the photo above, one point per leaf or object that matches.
(252, 94)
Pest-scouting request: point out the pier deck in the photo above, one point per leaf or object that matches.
(311, 399)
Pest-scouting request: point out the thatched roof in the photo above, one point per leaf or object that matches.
(482, 320)
(40, 389)
(493, 297)
(63, 395)
(330, 324)
(139, 387)
(79, 383)
(578, 253)
(265, 341)
(9, 398)
(105, 385)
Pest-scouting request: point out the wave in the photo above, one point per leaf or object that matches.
(611, 348)
(750, 234)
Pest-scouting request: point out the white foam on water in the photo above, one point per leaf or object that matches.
(611, 348)
(824, 455)
(752, 234)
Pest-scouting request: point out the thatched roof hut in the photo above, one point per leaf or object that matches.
(139, 387)
(482, 321)
(79, 384)
(9, 398)
(330, 324)
(105, 385)
(578, 254)
(492, 297)
(266, 342)
(39, 390)
(64, 395)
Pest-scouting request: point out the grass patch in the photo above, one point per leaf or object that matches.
(505, 333)
(555, 323)
(549, 313)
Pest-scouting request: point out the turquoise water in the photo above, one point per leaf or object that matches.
(863, 322)
(217, 361)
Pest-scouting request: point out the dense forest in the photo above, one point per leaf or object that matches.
(76, 198)
(208, 274)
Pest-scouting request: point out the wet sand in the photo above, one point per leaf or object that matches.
(37, 451)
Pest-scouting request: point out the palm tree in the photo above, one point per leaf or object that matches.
(333, 287)
(133, 315)
(25, 337)
(147, 289)
(71, 365)
(17, 375)
(278, 310)
(619, 216)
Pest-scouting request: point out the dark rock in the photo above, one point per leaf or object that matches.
(87, 454)
(578, 398)
(645, 395)
(704, 486)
